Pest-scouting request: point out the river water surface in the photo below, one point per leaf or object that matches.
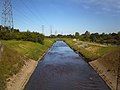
(63, 69)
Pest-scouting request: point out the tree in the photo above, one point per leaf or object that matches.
(87, 34)
(77, 35)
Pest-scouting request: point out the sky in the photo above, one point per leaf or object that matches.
(67, 16)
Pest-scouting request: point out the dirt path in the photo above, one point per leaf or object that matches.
(18, 81)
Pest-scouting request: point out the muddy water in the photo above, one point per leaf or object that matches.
(63, 69)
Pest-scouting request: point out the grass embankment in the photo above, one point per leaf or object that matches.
(10, 64)
(14, 55)
(29, 49)
(91, 51)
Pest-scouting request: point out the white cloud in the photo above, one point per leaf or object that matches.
(103, 5)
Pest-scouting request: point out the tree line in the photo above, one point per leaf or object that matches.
(10, 34)
(111, 38)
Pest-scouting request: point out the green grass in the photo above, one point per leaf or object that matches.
(29, 49)
(10, 64)
(111, 59)
(90, 51)
(15, 53)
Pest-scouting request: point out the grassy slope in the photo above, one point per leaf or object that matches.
(90, 51)
(14, 55)
(10, 64)
(29, 49)
(111, 60)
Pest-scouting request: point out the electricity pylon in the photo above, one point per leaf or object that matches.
(7, 14)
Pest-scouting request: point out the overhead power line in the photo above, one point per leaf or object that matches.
(34, 13)
(7, 14)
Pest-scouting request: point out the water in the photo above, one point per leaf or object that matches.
(63, 69)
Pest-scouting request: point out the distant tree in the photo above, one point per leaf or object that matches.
(87, 33)
(70, 36)
(119, 35)
(85, 36)
(59, 36)
(93, 38)
(77, 35)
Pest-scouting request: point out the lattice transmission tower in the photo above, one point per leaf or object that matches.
(7, 14)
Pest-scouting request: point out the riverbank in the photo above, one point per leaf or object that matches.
(18, 81)
(19, 59)
(107, 67)
(104, 59)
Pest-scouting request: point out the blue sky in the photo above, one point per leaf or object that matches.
(67, 16)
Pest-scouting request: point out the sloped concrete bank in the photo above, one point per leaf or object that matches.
(18, 81)
(108, 76)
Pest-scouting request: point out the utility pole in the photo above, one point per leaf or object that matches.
(43, 29)
(50, 30)
(62, 33)
(7, 14)
(56, 32)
